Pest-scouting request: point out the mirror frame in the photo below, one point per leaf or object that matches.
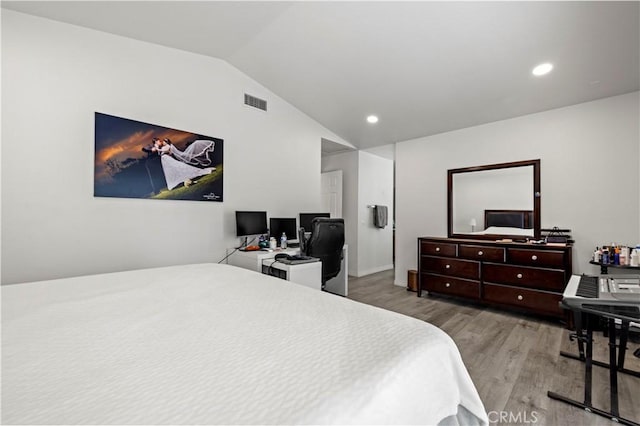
(535, 195)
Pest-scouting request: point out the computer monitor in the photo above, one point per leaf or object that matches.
(278, 225)
(306, 218)
(251, 223)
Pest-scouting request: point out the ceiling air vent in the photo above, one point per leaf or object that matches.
(255, 102)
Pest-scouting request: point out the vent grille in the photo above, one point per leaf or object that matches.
(255, 102)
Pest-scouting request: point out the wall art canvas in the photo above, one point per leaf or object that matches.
(141, 160)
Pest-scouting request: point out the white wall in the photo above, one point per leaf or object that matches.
(55, 76)
(590, 179)
(375, 186)
(367, 180)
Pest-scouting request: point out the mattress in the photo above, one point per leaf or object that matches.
(216, 344)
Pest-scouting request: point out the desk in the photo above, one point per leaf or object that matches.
(253, 260)
(306, 274)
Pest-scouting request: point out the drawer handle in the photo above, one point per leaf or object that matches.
(480, 253)
(447, 285)
(519, 275)
(534, 257)
(437, 248)
(520, 297)
(447, 266)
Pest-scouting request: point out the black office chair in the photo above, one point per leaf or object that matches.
(326, 242)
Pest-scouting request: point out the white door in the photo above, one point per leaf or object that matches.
(331, 189)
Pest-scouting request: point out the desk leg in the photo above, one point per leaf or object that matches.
(588, 367)
(614, 412)
(613, 370)
(578, 319)
(624, 335)
(579, 332)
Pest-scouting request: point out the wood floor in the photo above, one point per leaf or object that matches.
(512, 358)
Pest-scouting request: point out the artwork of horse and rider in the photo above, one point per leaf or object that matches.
(141, 160)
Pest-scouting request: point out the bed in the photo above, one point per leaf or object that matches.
(216, 344)
(507, 222)
(504, 230)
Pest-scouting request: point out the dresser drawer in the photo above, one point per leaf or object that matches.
(523, 276)
(539, 301)
(451, 267)
(438, 249)
(544, 258)
(450, 285)
(492, 254)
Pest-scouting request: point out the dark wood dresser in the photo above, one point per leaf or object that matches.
(517, 275)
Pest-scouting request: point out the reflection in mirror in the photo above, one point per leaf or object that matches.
(495, 201)
(480, 197)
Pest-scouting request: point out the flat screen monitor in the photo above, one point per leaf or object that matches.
(251, 223)
(307, 218)
(278, 225)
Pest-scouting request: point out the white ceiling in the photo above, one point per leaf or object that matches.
(422, 67)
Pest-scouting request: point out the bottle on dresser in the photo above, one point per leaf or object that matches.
(624, 256)
(634, 258)
(617, 254)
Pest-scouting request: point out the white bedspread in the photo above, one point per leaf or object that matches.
(504, 230)
(215, 344)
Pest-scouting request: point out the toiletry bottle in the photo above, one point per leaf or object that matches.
(605, 257)
(616, 256)
(624, 256)
(596, 255)
(634, 261)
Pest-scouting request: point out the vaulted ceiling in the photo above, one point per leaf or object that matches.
(421, 67)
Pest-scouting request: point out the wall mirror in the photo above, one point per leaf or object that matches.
(495, 201)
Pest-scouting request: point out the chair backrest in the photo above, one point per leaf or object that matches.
(326, 242)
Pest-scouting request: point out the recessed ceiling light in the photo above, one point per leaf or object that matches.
(542, 69)
(372, 119)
